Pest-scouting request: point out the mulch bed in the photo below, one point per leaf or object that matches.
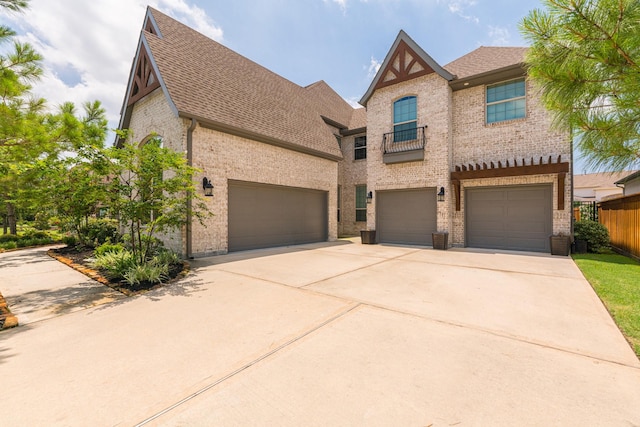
(78, 259)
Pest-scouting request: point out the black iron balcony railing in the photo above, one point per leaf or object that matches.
(404, 140)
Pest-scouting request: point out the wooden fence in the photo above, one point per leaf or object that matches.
(622, 218)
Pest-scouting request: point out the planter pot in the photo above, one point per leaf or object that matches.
(560, 245)
(580, 246)
(440, 240)
(368, 237)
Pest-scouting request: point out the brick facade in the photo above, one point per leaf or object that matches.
(351, 173)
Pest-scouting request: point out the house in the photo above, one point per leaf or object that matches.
(465, 148)
(594, 187)
(630, 183)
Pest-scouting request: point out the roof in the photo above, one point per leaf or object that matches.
(628, 178)
(222, 89)
(486, 60)
(599, 180)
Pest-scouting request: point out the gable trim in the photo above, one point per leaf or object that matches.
(400, 47)
(127, 105)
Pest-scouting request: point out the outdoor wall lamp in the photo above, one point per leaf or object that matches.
(207, 186)
(441, 195)
(369, 197)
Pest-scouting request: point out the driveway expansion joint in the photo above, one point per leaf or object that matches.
(249, 365)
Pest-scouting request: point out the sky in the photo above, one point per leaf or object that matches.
(89, 46)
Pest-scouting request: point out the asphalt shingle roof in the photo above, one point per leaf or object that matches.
(486, 59)
(208, 81)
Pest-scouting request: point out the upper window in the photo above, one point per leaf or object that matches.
(506, 101)
(405, 119)
(360, 148)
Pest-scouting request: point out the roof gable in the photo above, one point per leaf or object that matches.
(404, 61)
(223, 90)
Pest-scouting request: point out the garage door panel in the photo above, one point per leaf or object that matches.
(262, 215)
(518, 218)
(406, 216)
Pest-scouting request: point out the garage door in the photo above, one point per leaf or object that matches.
(262, 216)
(518, 218)
(406, 216)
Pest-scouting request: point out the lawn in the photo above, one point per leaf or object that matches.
(616, 280)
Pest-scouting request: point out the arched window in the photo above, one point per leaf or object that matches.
(405, 114)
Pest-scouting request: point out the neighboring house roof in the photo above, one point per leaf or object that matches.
(631, 177)
(598, 180)
(223, 90)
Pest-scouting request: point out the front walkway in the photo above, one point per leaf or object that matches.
(334, 334)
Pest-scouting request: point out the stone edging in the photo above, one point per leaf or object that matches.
(7, 320)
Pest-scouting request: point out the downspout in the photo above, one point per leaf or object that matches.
(190, 130)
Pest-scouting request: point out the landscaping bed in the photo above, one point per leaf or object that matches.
(81, 259)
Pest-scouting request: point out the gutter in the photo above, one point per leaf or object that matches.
(189, 242)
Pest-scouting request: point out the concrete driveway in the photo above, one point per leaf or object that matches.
(333, 334)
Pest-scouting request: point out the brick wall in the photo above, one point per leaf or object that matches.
(351, 172)
(533, 136)
(434, 110)
(224, 157)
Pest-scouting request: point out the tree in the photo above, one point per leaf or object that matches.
(152, 185)
(585, 58)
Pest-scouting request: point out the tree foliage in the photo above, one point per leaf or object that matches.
(585, 57)
(153, 190)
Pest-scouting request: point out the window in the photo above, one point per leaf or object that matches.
(361, 203)
(360, 148)
(405, 119)
(506, 101)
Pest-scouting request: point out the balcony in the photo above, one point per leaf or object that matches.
(404, 146)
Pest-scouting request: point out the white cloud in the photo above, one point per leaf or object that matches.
(459, 7)
(341, 3)
(373, 67)
(499, 36)
(88, 46)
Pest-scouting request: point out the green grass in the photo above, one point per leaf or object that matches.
(616, 280)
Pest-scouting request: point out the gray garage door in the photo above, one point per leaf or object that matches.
(406, 216)
(518, 218)
(262, 216)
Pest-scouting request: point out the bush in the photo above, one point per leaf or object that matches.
(9, 245)
(150, 272)
(115, 264)
(69, 240)
(36, 234)
(8, 238)
(595, 234)
(100, 231)
(108, 247)
(42, 221)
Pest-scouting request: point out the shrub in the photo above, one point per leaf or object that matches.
(8, 245)
(167, 257)
(69, 240)
(8, 238)
(42, 221)
(150, 272)
(36, 234)
(100, 231)
(115, 264)
(595, 234)
(108, 247)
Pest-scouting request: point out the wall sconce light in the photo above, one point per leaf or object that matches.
(441, 195)
(369, 197)
(207, 186)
